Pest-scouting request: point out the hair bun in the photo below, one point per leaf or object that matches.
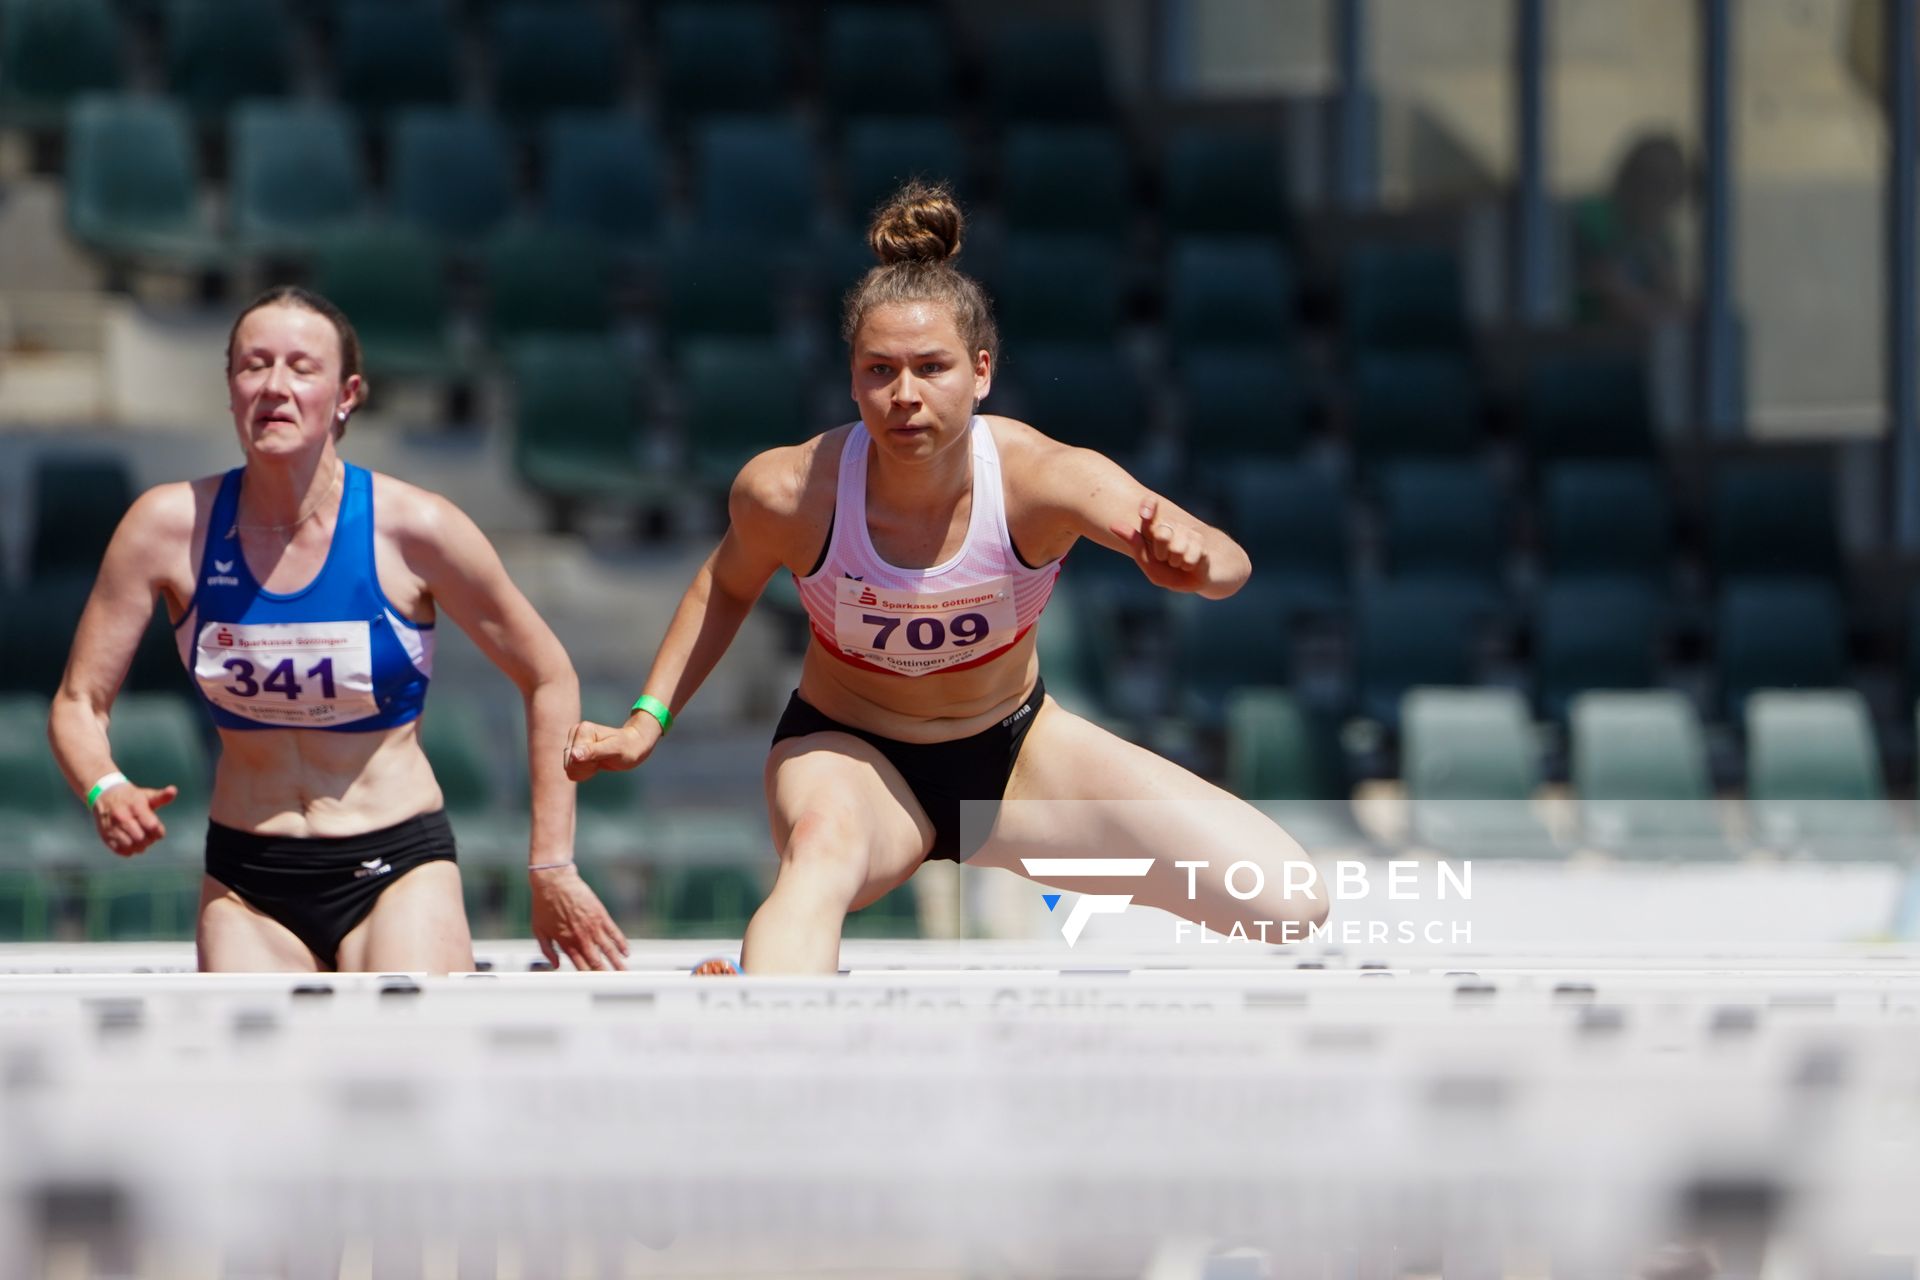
(921, 223)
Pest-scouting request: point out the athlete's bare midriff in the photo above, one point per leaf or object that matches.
(307, 782)
(938, 707)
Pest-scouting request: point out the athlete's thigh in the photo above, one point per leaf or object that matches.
(843, 786)
(236, 937)
(1078, 791)
(419, 922)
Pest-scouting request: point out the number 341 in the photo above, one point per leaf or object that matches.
(279, 680)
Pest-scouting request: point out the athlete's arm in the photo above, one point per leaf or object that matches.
(158, 525)
(1082, 493)
(760, 511)
(462, 572)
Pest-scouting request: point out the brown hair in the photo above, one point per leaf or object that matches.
(915, 235)
(292, 295)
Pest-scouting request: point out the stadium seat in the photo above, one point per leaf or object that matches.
(51, 53)
(885, 60)
(877, 156)
(1292, 520)
(1639, 768)
(1046, 69)
(896, 914)
(1814, 782)
(1444, 522)
(1223, 181)
(1470, 765)
(756, 179)
(576, 430)
(1058, 289)
(1608, 519)
(553, 55)
(451, 174)
(37, 629)
(142, 901)
(1769, 518)
(392, 282)
(741, 397)
(1779, 635)
(390, 54)
(157, 741)
(605, 176)
(43, 820)
(719, 287)
(26, 905)
(1586, 405)
(1229, 293)
(219, 52)
(1076, 650)
(1240, 407)
(1221, 646)
(1082, 393)
(1593, 633)
(78, 500)
(1066, 181)
(133, 183)
(1414, 404)
(1409, 634)
(721, 56)
(297, 176)
(1401, 297)
(1286, 762)
(705, 901)
(542, 281)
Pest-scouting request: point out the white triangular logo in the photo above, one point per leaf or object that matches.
(223, 566)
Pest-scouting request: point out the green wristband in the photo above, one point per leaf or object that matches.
(657, 709)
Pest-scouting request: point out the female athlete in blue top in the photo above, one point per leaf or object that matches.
(305, 591)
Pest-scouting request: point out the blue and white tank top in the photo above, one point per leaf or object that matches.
(333, 655)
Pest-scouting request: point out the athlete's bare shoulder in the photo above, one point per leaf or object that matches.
(1020, 444)
(407, 510)
(165, 514)
(782, 499)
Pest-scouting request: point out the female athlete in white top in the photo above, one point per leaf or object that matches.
(920, 687)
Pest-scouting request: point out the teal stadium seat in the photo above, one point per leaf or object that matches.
(1407, 635)
(1778, 635)
(1445, 522)
(895, 915)
(1062, 180)
(52, 52)
(604, 176)
(1241, 407)
(576, 427)
(219, 52)
(37, 629)
(1223, 181)
(1639, 768)
(1287, 763)
(27, 905)
(78, 501)
(1606, 519)
(1770, 518)
(136, 900)
(133, 184)
(1470, 765)
(392, 282)
(545, 281)
(719, 287)
(723, 56)
(1586, 405)
(41, 820)
(1593, 633)
(1076, 651)
(877, 156)
(757, 179)
(1292, 520)
(1082, 393)
(1221, 646)
(1814, 781)
(390, 54)
(705, 901)
(1042, 68)
(1414, 404)
(158, 741)
(1229, 293)
(297, 176)
(885, 60)
(1058, 289)
(1403, 297)
(451, 174)
(554, 55)
(741, 397)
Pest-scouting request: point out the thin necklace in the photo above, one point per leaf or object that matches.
(282, 528)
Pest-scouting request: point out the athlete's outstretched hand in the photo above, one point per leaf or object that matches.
(1170, 550)
(126, 819)
(593, 747)
(569, 919)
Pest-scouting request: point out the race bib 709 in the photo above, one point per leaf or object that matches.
(913, 633)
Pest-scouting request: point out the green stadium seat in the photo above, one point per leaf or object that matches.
(554, 55)
(42, 820)
(1586, 405)
(703, 901)
(36, 631)
(1403, 297)
(877, 157)
(78, 501)
(158, 741)
(1593, 633)
(1292, 520)
(455, 736)
(26, 905)
(219, 52)
(1076, 651)
(604, 176)
(742, 397)
(1066, 181)
(756, 179)
(52, 52)
(451, 174)
(297, 176)
(1058, 289)
(1241, 406)
(542, 281)
(896, 914)
(1444, 522)
(1639, 768)
(390, 54)
(1470, 764)
(392, 282)
(577, 431)
(1287, 763)
(1046, 69)
(1814, 781)
(133, 184)
(1082, 393)
(1773, 519)
(1406, 635)
(718, 287)
(1414, 404)
(1221, 646)
(1229, 293)
(140, 901)
(1223, 181)
(1779, 635)
(723, 56)
(885, 60)
(1606, 519)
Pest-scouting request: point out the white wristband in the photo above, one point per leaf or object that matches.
(103, 786)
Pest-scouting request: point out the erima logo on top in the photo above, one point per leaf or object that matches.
(222, 576)
(1088, 905)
